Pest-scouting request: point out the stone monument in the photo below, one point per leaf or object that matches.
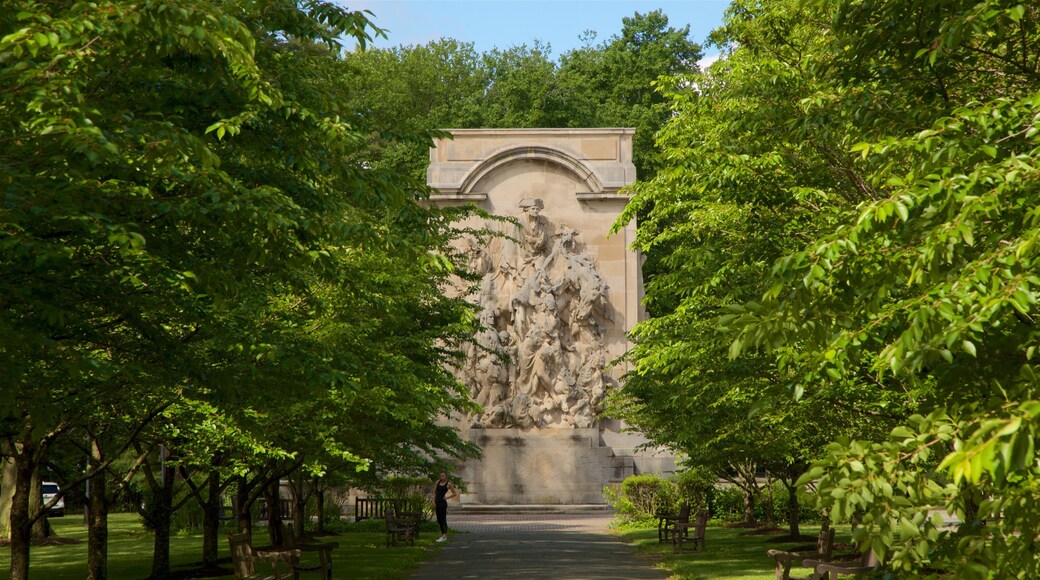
(557, 295)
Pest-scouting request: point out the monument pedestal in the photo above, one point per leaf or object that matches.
(544, 466)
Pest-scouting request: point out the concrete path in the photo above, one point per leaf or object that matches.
(559, 546)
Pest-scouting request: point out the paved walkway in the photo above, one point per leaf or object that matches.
(558, 546)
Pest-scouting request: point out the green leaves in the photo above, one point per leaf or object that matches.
(186, 225)
(1000, 447)
(897, 265)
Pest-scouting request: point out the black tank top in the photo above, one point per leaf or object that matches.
(442, 490)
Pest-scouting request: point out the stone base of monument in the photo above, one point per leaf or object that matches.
(543, 467)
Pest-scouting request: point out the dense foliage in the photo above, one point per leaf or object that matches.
(847, 210)
(447, 84)
(640, 499)
(194, 268)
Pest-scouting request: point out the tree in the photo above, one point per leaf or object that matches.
(179, 197)
(409, 90)
(525, 89)
(617, 80)
(737, 189)
(937, 281)
(445, 84)
(897, 152)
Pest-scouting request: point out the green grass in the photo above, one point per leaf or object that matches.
(362, 552)
(728, 555)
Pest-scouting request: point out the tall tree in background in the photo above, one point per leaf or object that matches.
(411, 89)
(444, 84)
(616, 81)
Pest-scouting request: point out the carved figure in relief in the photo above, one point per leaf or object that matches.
(519, 413)
(539, 358)
(487, 364)
(536, 227)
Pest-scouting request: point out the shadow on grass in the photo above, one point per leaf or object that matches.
(729, 553)
(362, 554)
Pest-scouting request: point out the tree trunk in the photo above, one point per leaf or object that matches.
(162, 512)
(243, 515)
(301, 491)
(211, 521)
(744, 478)
(7, 484)
(770, 503)
(320, 499)
(274, 515)
(749, 505)
(793, 509)
(21, 524)
(40, 529)
(97, 516)
(300, 511)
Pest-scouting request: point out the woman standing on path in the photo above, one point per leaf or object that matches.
(441, 496)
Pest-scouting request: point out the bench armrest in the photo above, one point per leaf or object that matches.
(277, 555)
(783, 556)
(840, 569)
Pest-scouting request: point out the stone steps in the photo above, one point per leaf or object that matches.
(510, 509)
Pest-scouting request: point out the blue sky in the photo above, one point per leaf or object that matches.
(504, 23)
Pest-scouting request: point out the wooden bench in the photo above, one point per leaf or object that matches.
(666, 523)
(683, 535)
(867, 563)
(286, 509)
(400, 528)
(784, 560)
(244, 559)
(376, 507)
(323, 567)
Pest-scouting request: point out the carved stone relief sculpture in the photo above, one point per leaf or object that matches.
(539, 358)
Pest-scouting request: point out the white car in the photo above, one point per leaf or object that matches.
(51, 489)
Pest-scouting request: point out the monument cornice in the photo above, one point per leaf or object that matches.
(599, 158)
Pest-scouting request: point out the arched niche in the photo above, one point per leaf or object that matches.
(493, 163)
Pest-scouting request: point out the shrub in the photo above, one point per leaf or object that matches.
(640, 497)
(332, 512)
(695, 487)
(415, 492)
(728, 505)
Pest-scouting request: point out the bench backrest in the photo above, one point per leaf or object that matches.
(700, 525)
(371, 507)
(376, 507)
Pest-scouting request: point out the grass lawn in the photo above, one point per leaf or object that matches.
(362, 554)
(728, 555)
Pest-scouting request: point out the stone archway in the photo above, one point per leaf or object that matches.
(513, 154)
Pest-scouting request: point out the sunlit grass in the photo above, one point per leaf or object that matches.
(361, 554)
(728, 555)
